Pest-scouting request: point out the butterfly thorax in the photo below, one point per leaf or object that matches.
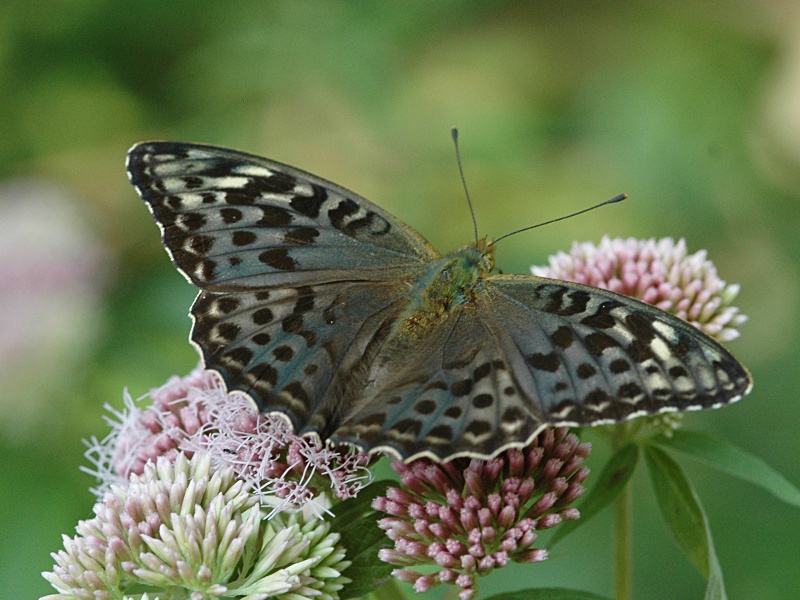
(447, 284)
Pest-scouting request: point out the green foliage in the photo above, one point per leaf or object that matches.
(607, 486)
(548, 594)
(726, 457)
(685, 517)
(356, 521)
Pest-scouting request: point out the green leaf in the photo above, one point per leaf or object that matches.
(727, 458)
(357, 522)
(685, 517)
(548, 594)
(610, 483)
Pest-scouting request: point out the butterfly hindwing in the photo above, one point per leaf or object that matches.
(294, 350)
(234, 221)
(451, 394)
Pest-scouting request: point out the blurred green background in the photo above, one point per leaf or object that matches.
(692, 110)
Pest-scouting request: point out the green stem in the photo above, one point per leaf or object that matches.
(623, 544)
(623, 529)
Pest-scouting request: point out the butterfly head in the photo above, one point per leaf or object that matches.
(484, 255)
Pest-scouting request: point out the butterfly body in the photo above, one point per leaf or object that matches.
(448, 283)
(323, 308)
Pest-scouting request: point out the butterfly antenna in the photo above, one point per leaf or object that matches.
(575, 214)
(454, 133)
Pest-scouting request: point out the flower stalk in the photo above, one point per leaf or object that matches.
(623, 528)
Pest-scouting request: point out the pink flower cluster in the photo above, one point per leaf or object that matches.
(469, 516)
(194, 414)
(659, 272)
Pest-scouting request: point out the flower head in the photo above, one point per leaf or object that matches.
(659, 272)
(53, 270)
(467, 516)
(195, 414)
(183, 525)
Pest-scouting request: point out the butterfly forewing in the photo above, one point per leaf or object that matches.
(233, 221)
(322, 307)
(594, 356)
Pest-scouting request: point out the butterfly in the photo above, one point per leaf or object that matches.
(323, 308)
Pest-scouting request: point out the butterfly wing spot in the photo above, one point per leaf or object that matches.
(269, 216)
(425, 407)
(231, 216)
(441, 436)
(461, 388)
(544, 362)
(261, 339)
(482, 401)
(237, 358)
(191, 221)
(278, 258)
(482, 371)
(677, 372)
(283, 353)
(301, 236)
(619, 366)
(563, 337)
(264, 375)
(351, 219)
(598, 342)
(406, 430)
(226, 332)
(630, 391)
(478, 432)
(453, 412)
(243, 237)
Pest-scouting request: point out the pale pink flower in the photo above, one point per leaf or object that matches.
(184, 529)
(195, 414)
(467, 517)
